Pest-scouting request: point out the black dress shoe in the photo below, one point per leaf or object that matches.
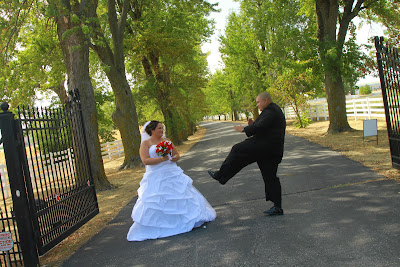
(274, 211)
(214, 176)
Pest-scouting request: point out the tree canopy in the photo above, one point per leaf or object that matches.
(46, 46)
(167, 63)
(310, 43)
(150, 52)
(260, 47)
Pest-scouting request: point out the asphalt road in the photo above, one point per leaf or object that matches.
(337, 213)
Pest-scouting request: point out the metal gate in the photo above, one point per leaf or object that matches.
(52, 162)
(13, 256)
(389, 70)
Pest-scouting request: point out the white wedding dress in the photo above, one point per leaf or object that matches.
(168, 204)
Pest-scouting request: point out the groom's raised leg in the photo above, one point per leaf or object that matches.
(214, 176)
(239, 157)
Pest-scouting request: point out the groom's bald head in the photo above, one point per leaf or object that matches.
(265, 95)
(263, 100)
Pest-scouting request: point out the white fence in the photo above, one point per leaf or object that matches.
(112, 149)
(359, 108)
(4, 180)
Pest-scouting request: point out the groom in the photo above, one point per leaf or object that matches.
(264, 146)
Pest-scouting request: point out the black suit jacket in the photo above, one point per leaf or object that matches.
(268, 130)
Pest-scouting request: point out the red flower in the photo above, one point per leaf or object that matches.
(164, 148)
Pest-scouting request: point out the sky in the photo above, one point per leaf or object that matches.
(229, 6)
(226, 7)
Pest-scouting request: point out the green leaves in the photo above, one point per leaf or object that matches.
(74, 19)
(165, 42)
(263, 42)
(37, 64)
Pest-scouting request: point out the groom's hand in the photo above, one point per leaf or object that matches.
(238, 128)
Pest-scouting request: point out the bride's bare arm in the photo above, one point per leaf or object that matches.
(145, 157)
(175, 154)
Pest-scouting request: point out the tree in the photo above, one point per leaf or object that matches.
(104, 97)
(241, 56)
(216, 94)
(38, 63)
(357, 63)
(365, 90)
(261, 45)
(111, 53)
(13, 16)
(166, 42)
(294, 87)
(21, 65)
(330, 15)
(69, 16)
(386, 13)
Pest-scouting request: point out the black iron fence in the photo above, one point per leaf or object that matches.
(11, 255)
(389, 71)
(47, 157)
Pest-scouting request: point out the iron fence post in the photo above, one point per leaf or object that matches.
(11, 147)
(379, 47)
(388, 66)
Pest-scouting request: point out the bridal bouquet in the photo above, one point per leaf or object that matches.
(164, 148)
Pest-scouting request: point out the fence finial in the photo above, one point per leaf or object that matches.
(4, 106)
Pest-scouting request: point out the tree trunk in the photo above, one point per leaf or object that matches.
(336, 103)
(255, 112)
(235, 115)
(76, 55)
(330, 51)
(162, 82)
(170, 122)
(125, 117)
(172, 129)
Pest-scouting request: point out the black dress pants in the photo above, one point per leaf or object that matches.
(245, 153)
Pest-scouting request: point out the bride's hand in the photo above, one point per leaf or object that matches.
(174, 158)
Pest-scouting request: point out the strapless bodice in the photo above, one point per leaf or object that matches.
(152, 152)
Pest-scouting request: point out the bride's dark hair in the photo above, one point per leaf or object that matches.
(151, 126)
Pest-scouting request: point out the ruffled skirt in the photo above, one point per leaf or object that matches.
(168, 204)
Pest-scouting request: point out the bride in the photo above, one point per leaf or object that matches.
(168, 204)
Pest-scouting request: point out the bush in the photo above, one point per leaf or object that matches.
(365, 90)
(303, 122)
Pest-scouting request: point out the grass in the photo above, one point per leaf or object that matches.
(350, 144)
(126, 183)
